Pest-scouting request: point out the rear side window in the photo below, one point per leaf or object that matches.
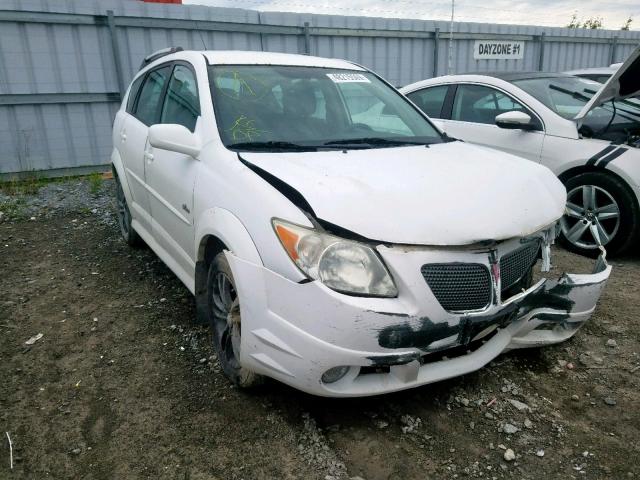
(430, 100)
(147, 107)
(133, 93)
(181, 104)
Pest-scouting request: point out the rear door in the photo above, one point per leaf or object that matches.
(170, 175)
(472, 119)
(134, 138)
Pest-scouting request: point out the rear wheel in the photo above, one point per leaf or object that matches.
(124, 217)
(600, 210)
(226, 323)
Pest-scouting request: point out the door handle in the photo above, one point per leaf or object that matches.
(123, 136)
(148, 156)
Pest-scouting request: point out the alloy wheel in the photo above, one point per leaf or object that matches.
(592, 217)
(226, 311)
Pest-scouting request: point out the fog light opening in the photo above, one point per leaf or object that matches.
(334, 374)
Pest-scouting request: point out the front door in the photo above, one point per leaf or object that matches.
(473, 115)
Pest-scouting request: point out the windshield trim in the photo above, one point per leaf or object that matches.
(210, 67)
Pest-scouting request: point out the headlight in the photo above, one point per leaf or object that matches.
(342, 265)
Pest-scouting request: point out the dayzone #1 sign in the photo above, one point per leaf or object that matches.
(498, 50)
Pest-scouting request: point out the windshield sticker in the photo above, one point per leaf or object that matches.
(348, 78)
(243, 129)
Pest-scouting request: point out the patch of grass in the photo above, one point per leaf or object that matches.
(95, 183)
(28, 186)
(32, 184)
(12, 209)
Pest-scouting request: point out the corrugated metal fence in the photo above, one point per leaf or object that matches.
(64, 63)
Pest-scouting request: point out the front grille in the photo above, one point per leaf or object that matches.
(514, 265)
(459, 286)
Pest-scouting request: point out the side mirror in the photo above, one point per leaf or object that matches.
(514, 120)
(175, 138)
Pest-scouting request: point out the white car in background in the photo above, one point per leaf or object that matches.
(324, 248)
(598, 74)
(585, 132)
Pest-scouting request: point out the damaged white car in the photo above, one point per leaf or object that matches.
(585, 132)
(340, 253)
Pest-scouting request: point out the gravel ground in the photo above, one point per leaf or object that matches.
(122, 385)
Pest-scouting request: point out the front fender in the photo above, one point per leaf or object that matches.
(224, 225)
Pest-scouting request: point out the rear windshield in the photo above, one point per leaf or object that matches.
(289, 107)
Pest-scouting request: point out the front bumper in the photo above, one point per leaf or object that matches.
(294, 332)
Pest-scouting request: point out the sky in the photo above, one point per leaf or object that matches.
(554, 13)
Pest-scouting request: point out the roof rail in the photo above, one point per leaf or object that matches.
(159, 54)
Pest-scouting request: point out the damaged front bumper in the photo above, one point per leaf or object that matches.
(295, 332)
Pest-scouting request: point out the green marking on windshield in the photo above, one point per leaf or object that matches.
(243, 128)
(240, 85)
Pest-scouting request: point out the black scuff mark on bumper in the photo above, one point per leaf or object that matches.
(405, 335)
(421, 332)
(389, 360)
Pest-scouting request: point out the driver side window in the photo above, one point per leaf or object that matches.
(181, 104)
(480, 104)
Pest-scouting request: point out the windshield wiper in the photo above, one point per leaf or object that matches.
(272, 145)
(374, 141)
(573, 93)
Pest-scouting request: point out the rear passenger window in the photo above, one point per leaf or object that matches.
(150, 95)
(181, 104)
(430, 100)
(133, 92)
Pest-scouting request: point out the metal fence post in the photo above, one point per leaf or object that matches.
(111, 23)
(541, 52)
(436, 50)
(307, 39)
(612, 51)
(260, 34)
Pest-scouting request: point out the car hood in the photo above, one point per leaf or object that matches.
(624, 83)
(447, 194)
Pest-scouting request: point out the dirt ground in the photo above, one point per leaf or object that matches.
(122, 385)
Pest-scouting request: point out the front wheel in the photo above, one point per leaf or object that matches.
(600, 211)
(226, 323)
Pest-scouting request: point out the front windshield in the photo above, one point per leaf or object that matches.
(567, 95)
(271, 107)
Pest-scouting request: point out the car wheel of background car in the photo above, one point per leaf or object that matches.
(124, 218)
(599, 206)
(226, 323)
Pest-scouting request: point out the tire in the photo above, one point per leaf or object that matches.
(226, 323)
(124, 218)
(599, 203)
